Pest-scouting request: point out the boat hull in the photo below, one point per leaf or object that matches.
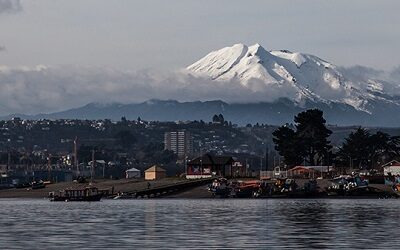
(96, 197)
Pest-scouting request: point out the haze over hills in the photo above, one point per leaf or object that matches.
(275, 113)
(290, 81)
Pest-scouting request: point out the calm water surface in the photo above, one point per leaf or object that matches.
(200, 224)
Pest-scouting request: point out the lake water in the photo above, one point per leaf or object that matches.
(200, 224)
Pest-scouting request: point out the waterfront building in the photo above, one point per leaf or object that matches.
(207, 166)
(154, 173)
(132, 173)
(180, 142)
(392, 167)
(308, 172)
(239, 169)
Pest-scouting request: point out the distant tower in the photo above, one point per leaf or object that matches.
(180, 142)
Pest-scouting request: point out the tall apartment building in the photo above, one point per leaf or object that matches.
(181, 142)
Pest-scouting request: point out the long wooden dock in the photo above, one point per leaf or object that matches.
(160, 191)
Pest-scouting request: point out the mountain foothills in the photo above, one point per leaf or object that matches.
(307, 81)
(274, 113)
(291, 82)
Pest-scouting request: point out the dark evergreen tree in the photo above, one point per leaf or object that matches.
(287, 145)
(221, 118)
(218, 119)
(309, 143)
(355, 150)
(312, 136)
(363, 150)
(215, 119)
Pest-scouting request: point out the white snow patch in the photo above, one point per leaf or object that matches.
(290, 74)
(332, 80)
(296, 58)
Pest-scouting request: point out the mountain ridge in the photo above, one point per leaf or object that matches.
(293, 75)
(296, 81)
(274, 113)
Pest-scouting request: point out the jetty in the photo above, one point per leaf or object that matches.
(137, 188)
(163, 190)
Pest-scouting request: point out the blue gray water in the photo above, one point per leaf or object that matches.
(200, 224)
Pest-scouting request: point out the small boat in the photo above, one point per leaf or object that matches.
(38, 184)
(84, 194)
(220, 188)
(123, 196)
(246, 189)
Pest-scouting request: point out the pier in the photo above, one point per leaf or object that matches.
(165, 190)
(131, 187)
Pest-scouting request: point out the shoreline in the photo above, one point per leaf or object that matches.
(196, 192)
(122, 185)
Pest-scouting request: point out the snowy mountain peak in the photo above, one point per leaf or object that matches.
(287, 74)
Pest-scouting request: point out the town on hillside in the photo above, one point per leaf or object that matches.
(34, 152)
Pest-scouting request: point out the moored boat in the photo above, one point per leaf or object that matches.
(220, 187)
(83, 194)
(38, 184)
(246, 189)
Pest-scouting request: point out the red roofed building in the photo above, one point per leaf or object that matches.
(309, 172)
(208, 166)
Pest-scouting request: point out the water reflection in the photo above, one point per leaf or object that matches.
(200, 224)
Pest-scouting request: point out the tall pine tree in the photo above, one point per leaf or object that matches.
(309, 143)
(286, 144)
(312, 136)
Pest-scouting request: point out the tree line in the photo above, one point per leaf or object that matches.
(307, 143)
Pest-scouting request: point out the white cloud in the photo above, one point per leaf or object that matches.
(48, 89)
(361, 72)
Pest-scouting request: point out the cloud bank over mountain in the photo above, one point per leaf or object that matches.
(49, 89)
(46, 89)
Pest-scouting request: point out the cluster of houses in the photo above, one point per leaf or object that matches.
(208, 165)
(205, 166)
(153, 173)
(313, 172)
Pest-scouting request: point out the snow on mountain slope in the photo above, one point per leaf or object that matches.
(301, 76)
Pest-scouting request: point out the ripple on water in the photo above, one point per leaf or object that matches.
(200, 224)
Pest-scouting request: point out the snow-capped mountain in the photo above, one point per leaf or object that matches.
(248, 84)
(299, 77)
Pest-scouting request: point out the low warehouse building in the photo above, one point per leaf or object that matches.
(154, 173)
(132, 173)
(392, 168)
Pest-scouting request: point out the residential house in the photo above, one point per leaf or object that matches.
(207, 166)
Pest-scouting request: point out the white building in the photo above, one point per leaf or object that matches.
(132, 173)
(181, 142)
(392, 167)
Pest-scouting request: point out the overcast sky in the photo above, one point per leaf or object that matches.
(59, 54)
(164, 35)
